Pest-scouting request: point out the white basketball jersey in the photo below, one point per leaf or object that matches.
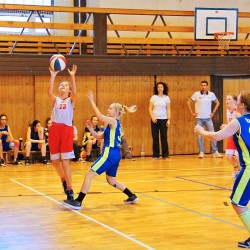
(231, 115)
(63, 111)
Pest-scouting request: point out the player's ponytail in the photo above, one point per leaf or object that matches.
(123, 109)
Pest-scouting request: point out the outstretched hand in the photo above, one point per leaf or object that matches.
(89, 124)
(198, 129)
(53, 72)
(73, 71)
(90, 95)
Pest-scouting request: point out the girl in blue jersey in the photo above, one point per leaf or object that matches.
(240, 129)
(108, 161)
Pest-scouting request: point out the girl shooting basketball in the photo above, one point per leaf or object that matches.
(61, 131)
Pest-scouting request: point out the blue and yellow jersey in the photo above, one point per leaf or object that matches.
(112, 136)
(242, 140)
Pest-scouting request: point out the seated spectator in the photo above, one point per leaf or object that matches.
(35, 141)
(89, 142)
(125, 149)
(75, 144)
(7, 142)
(46, 132)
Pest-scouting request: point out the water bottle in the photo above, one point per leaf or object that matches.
(142, 151)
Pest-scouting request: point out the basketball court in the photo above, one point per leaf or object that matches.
(184, 204)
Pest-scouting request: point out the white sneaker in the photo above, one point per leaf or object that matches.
(217, 155)
(201, 155)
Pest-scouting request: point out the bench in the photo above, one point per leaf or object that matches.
(35, 156)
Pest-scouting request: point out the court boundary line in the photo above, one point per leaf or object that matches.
(85, 216)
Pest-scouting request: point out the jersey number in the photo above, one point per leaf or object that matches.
(62, 106)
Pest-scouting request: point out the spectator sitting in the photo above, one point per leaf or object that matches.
(7, 141)
(35, 141)
(89, 142)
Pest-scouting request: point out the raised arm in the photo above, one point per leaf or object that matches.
(73, 82)
(227, 131)
(97, 135)
(104, 118)
(51, 84)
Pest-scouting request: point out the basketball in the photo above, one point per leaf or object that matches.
(57, 62)
(83, 154)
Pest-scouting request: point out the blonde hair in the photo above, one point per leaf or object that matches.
(123, 109)
(70, 87)
(245, 99)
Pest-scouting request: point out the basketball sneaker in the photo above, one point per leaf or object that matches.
(216, 154)
(44, 161)
(201, 155)
(27, 161)
(70, 194)
(16, 162)
(244, 244)
(74, 204)
(2, 163)
(132, 199)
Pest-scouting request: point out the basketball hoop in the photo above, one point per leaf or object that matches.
(223, 39)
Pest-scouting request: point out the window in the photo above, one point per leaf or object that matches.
(22, 16)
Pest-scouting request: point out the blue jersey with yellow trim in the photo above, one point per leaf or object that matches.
(242, 140)
(4, 137)
(112, 136)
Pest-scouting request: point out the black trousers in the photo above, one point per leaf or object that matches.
(156, 128)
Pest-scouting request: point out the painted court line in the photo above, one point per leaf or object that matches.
(86, 217)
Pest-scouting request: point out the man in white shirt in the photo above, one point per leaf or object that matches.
(203, 106)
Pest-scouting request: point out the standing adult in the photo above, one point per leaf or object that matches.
(203, 106)
(89, 142)
(239, 128)
(160, 113)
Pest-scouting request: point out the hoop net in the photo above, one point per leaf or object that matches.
(223, 39)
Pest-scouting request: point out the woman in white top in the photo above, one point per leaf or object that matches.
(160, 113)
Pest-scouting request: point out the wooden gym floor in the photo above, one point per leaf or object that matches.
(184, 204)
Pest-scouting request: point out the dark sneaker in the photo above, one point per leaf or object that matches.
(70, 194)
(64, 184)
(244, 244)
(89, 158)
(131, 199)
(45, 161)
(74, 204)
(16, 162)
(27, 161)
(2, 163)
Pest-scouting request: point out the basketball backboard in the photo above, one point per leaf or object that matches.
(212, 20)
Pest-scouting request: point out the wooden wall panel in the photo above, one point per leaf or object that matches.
(17, 102)
(129, 90)
(182, 140)
(24, 98)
